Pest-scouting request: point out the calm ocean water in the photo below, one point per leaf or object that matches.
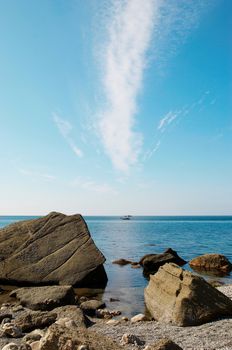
(189, 236)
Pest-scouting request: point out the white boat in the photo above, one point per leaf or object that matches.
(126, 217)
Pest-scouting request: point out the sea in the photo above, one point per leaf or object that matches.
(131, 239)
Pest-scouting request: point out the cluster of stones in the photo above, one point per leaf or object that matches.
(53, 318)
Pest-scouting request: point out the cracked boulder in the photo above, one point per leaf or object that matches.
(176, 296)
(55, 249)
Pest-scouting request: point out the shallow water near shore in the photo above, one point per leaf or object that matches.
(131, 239)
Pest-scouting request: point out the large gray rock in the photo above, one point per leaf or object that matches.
(53, 249)
(176, 296)
(44, 298)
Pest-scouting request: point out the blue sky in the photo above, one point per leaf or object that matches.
(115, 107)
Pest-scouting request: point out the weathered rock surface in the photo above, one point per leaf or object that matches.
(44, 298)
(10, 330)
(164, 344)
(152, 262)
(60, 338)
(54, 249)
(211, 262)
(129, 338)
(11, 346)
(176, 296)
(73, 312)
(90, 306)
(30, 320)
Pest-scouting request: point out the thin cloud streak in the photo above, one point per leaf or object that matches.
(130, 34)
(65, 129)
(35, 174)
(90, 185)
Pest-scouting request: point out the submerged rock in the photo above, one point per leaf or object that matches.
(152, 262)
(122, 262)
(54, 249)
(176, 296)
(212, 262)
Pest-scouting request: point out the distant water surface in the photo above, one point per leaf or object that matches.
(131, 239)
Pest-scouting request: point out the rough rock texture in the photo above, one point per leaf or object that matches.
(44, 298)
(60, 338)
(31, 320)
(90, 306)
(164, 344)
(74, 313)
(176, 296)
(54, 249)
(152, 262)
(211, 262)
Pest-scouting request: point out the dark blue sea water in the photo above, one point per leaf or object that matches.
(189, 236)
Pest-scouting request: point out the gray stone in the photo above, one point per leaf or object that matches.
(44, 298)
(72, 312)
(53, 249)
(31, 320)
(90, 306)
(176, 296)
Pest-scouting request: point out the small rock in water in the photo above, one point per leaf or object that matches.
(10, 346)
(138, 318)
(122, 262)
(129, 338)
(135, 266)
(113, 299)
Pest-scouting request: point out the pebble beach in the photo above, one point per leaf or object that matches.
(210, 336)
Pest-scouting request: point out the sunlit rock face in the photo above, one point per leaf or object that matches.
(54, 249)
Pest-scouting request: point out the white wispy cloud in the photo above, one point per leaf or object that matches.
(136, 27)
(65, 128)
(167, 119)
(93, 186)
(129, 36)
